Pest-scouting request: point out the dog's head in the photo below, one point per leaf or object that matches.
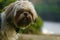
(21, 13)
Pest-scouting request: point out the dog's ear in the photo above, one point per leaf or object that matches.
(9, 8)
(35, 15)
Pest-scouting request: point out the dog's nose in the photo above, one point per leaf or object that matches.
(25, 14)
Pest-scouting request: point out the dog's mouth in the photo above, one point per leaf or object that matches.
(25, 20)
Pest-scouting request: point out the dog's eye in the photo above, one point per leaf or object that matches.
(19, 12)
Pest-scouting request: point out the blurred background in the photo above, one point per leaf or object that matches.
(48, 10)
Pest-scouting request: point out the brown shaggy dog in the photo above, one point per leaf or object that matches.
(17, 15)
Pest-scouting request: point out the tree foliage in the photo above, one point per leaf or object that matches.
(4, 3)
(49, 10)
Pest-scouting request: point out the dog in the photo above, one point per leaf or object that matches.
(17, 15)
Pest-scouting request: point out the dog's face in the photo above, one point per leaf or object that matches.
(23, 17)
(21, 13)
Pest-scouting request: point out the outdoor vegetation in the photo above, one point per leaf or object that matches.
(4, 3)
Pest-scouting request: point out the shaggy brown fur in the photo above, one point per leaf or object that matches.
(17, 15)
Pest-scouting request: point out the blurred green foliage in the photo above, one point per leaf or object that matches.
(4, 3)
(49, 10)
